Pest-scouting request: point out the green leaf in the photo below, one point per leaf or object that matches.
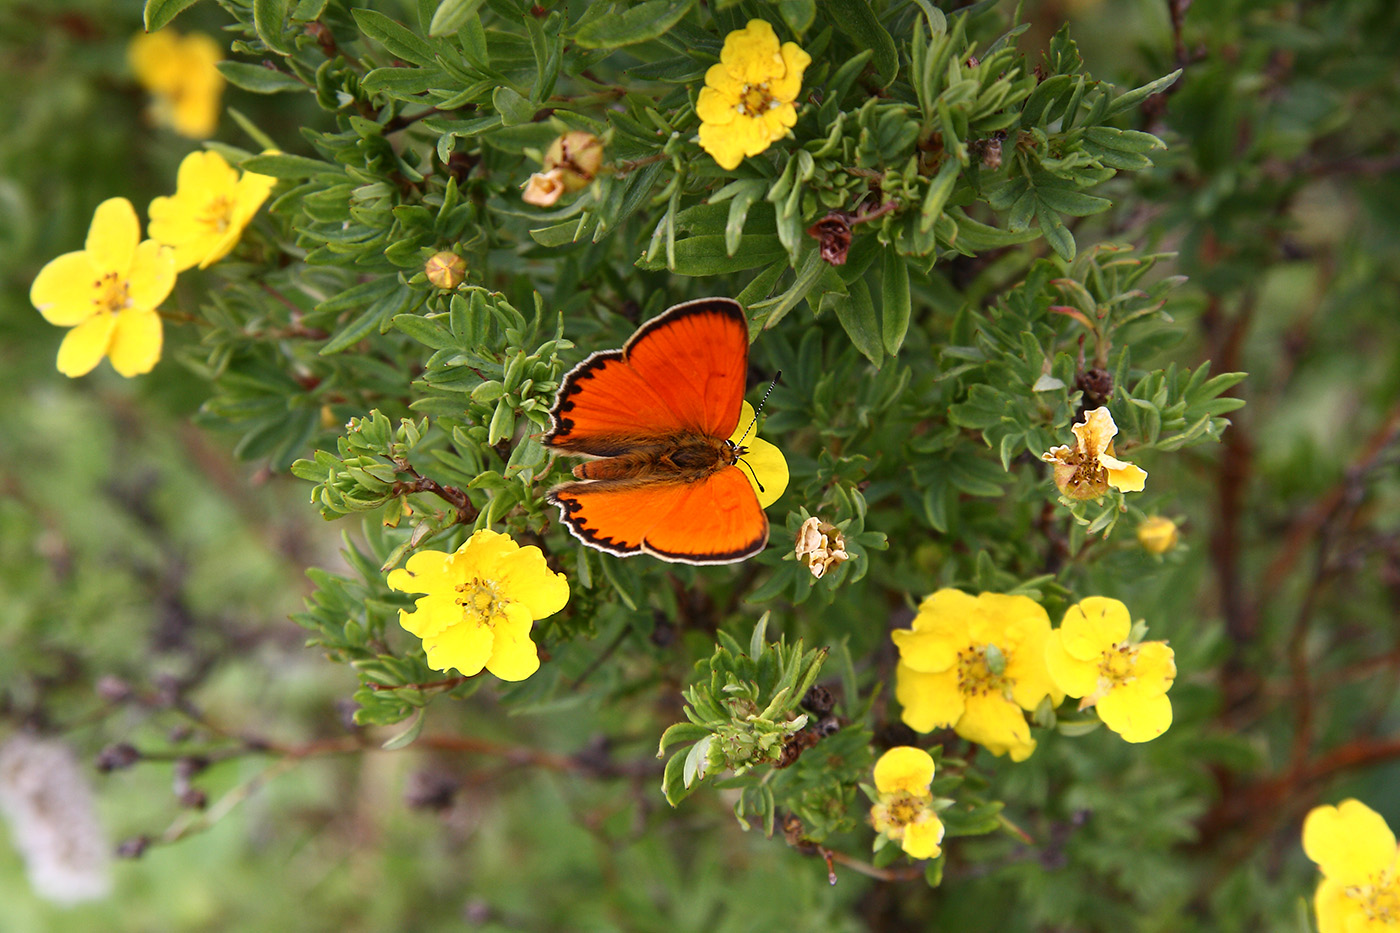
(259, 78)
(859, 23)
(513, 107)
(938, 191)
(450, 16)
(1071, 201)
(1056, 234)
(709, 255)
(396, 38)
(1136, 96)
(289, 166)
(409, 735)
(640, 23)
(798, 14)
(160, 12)
(270, 20)
(894, 300)
(856, 312)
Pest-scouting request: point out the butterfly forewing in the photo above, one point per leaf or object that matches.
(682, 372)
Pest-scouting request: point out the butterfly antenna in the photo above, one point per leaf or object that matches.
(754, 475)
(762, 402)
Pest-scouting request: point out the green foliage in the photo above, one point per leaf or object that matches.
(965, 242)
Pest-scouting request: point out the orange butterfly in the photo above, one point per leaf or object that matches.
(658, 420)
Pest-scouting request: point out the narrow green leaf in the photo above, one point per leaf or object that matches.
(856, 312)
(639, 23)
(400, 42)
(407, 736)
(1071, 201)
(862, 27)
(894, 300)
(270, 20)
(1137, 95)
(259, 78)
(160, 12)
(514, 108)
(450, 16)
(282, 165)
(938, 191)
(709, 255)
(1056, 233)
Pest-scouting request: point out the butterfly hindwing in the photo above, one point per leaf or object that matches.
(715, 520)
(682, 372)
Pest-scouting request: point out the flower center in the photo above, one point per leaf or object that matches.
(479, 601)
(1116, 665)
(1379, 900)
(755, 100)
(218, 214)
(981, 670)
(112, 294)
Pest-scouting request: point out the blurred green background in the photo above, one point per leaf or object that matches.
(140, 561)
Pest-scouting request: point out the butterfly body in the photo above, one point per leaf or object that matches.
(655, 418)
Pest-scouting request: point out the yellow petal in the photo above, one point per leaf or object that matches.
(922, 837)
(998, 724)
(947, 610)
(67, 290)
(795, 62)
(1095, 432)
(778, 120)
(1125, 477)
(248, 196)
(526, 579)
(204, 175)
(513, 654)
(715, 106)
(1136, 714)
(85, 345)
(929, 652)
(1336, 912)
(220, 246)
(112, 237)
(136, 342)
(752, 53)
(466, 646)
(1350, 842)
(152, 276)
(481, 554)
(151, 56)
(1074, 677)
(1155, 666)
(722, 144)
(904, 768)
(1093, 625)
(751, 134)
(425, 572)
(930, 701)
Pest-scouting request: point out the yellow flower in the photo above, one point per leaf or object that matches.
(1360, 889)
(974, 663)
(763, 463)
(747, 100)
(904, 812)
(212, 204)
(1157, 534)
(1086, 471)
(108, 293)
(480, 605)
(1089, 656)
(181, 73)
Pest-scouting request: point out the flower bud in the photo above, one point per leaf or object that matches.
(544, 188)
(578, 156)
(1157, 534)
(446, 270)
(821, 546)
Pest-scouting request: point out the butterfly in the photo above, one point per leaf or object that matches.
(657, 419)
